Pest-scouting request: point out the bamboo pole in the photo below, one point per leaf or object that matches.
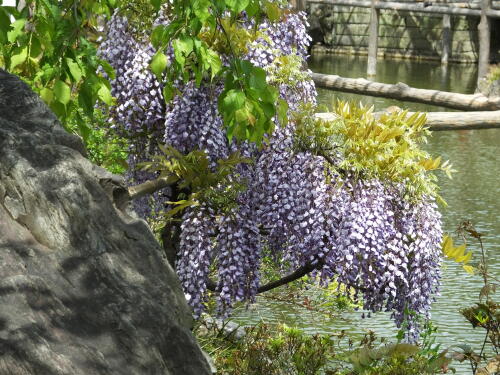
(401, 91)
(373, 40)
(463, 120)
(484, 41)
(437, 121)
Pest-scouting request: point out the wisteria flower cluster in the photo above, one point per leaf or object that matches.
(363, 233)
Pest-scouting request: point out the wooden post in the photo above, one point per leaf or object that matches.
(484, 41)
(373, 40)
(299, 5)
(445, 55)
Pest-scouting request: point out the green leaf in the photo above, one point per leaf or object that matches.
(282, 112)
(4, 25)
(52, 8)
(220, 5)
(158, 64)
(233, 100)
(157, 36)
(74, 69)
(257, 78)
(198, 75)
(62, 92)
(45, 32)
(168, 92)
(156, 4)
(104, 94)
(269, 109)
(196, 25)
(59, 109)
(17, 29)
(19, 57)
(243, 115)
(100, 9)
(245, 66)
(83, 129)
(237, 6)
(211, 61)
(182, 48)
(253, 8)
(86, 98)
(269, 94)
(201, 9)
(36, 47)
(47, 95)
(272, 11)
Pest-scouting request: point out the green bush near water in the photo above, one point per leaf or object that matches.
(282, 350)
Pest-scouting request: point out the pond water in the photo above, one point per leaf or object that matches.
(473, 194)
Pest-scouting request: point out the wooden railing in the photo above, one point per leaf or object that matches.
(484, 11)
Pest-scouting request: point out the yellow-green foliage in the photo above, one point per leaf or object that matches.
(217, 187)
(286, 70)
(494, 73)
(104, 147)
(235, 39)
(387, 147)
(457, 253)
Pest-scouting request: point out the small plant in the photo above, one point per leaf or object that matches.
(383, 358)
(268, 349)
(493, 74)
(485, 313)
(280, 350)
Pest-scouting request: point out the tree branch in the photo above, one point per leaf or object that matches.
(327, 158)
(148, 187)
(295, 275)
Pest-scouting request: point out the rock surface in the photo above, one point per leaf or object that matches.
(84, 287)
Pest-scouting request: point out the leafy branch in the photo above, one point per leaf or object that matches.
(483, 314)
(51, 46)
(196, 177)
(208, 41)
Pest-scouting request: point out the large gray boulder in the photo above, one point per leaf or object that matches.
(84, 287)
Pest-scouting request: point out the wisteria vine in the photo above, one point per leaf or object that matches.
(362, 232)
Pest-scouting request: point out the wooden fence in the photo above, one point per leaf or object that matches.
(485, 10)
